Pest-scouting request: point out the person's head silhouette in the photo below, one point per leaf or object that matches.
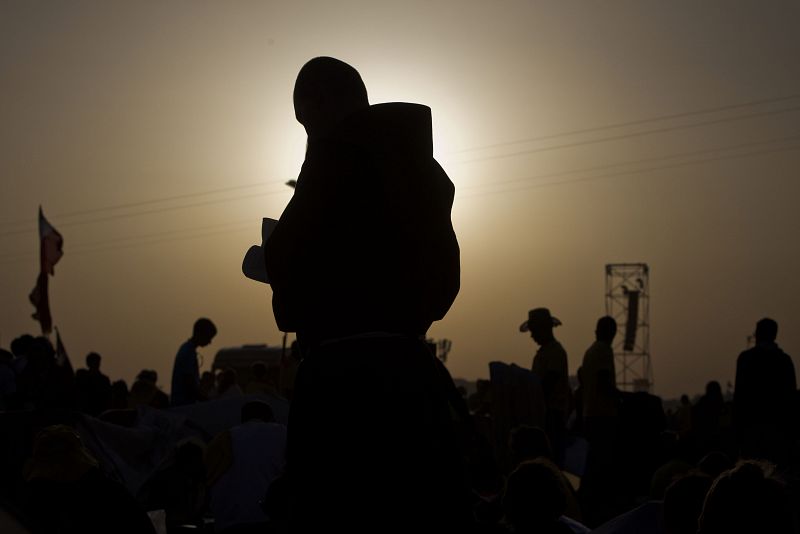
(540, 324)
(93, 361)
(748, 498)
(606, 329)
(766, 331)
(326, 91)
(203, 332)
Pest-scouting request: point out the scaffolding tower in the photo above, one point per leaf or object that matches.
(628, 302)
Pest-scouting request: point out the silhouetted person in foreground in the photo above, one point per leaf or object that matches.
(362, 261)
(185, 371)
(68, 493)
(92, 387)
(763, 401)
(748, 499)
(600, 410)
(530, 443)
(683, 503)
(706, 419)
(534, 500)
(550, 365)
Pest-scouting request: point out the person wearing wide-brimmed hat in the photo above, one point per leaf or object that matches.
(550, 365)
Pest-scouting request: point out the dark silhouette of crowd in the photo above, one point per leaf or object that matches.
(718, 463)
(379, 437)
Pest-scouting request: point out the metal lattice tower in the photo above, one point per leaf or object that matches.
(628, 302)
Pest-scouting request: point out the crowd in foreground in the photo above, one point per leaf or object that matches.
(609, 462)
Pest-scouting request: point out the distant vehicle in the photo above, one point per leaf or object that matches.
(240, 359)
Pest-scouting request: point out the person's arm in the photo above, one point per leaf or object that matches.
(289, 251)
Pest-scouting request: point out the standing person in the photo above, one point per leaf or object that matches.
(599, 398)
(92, 387)
(599, 377)
(763, 398)
(550, 365)
(363, 260)
(185, 371)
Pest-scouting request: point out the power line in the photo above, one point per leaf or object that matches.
(147, 240)
(165, 199)
(252, 223)
(500, 156)
(628, 135)
(80, 246)
(637, 122)
(165, 240)
(639, 161)
(149, 201)
(628, 173)
(472, 149)
(151, 211)
(114, 246)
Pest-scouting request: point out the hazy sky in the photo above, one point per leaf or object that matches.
(156, 135)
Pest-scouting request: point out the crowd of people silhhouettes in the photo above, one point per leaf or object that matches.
(717, 463)
(379, 437)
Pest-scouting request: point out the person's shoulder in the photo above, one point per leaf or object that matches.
(597, 351)
(598, 347)
(747, 355)
(186, 349)
(781, 352)
(590, 352)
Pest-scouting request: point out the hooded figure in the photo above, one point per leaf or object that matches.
(363, 259)
(366, 243)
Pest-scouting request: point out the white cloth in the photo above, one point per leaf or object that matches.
(259, 451)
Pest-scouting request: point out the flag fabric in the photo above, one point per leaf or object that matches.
(41, 302)
(51, 246)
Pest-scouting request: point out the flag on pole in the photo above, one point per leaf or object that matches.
(41, 302)
(52, 245)
(50, 251)
(62, 359)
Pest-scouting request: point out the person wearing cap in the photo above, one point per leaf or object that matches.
(550, 365)
(763, 399)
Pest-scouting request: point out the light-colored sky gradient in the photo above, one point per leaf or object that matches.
(118, 103)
